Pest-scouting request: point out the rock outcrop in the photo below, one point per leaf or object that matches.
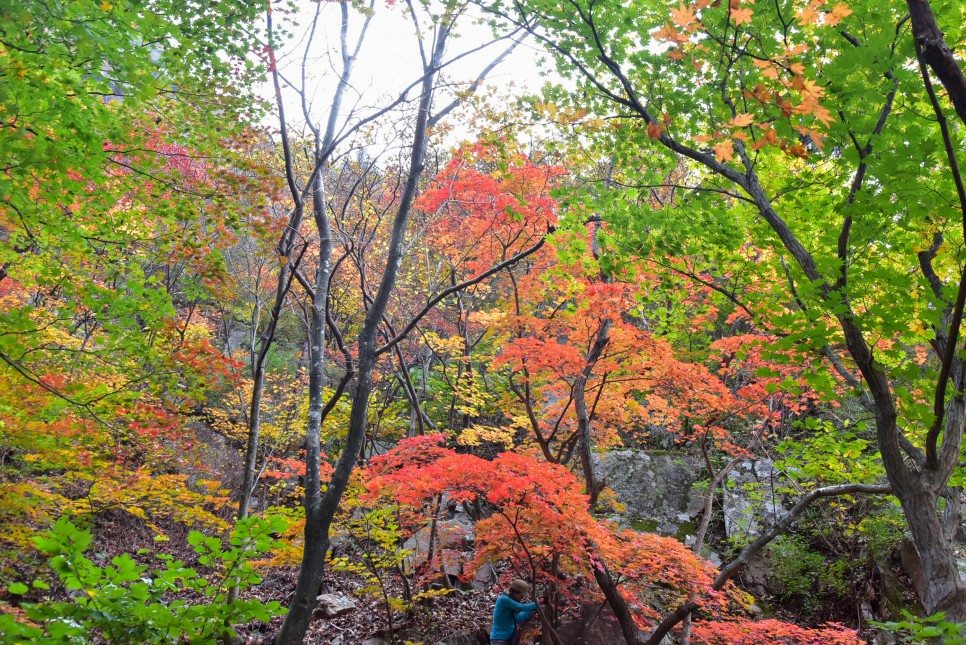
(658, 488)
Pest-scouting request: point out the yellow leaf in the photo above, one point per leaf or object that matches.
(478, 434)
(106, 6)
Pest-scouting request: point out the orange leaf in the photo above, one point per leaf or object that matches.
(725, 151)
(839, 12)
(742, 120)
(823, 115)
(683, 16)
(669, 32)
(807, 16)
(741, 16)
(811, 88)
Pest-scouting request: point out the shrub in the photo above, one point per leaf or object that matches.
(124, 603)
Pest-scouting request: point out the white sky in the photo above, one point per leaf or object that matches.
(389, 60)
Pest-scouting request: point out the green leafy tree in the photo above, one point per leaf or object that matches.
(109, 183)
(818, 150)
(120, 181)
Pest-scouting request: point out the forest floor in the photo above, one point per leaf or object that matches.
(430, 622)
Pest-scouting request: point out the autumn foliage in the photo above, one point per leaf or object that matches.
(708, 240)
(535, 524)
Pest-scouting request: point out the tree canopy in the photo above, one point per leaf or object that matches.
(275, 341)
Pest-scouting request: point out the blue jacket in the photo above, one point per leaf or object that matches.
(504, 612)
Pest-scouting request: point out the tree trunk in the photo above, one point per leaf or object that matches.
(320, 510)
(938, 54)
(601, 339)
(944, 590)
(316, 524)
(584, 445)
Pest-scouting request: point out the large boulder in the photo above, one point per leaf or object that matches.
(452, 539)
(660, 490)
(656, 487)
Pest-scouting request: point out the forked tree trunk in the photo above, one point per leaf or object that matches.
(321, 508)
(944, 590)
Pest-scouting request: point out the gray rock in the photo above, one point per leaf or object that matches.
(332, 605)
(485, 576)
(756, 576)
(751, 500)
(454, 537)
(661, 493)
(239, 339)
(656, 487)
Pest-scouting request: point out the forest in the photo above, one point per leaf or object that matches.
(320, 324)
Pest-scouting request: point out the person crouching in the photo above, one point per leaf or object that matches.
(509, 612)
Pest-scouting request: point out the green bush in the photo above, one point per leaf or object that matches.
(123, 603)
(805, 574)
(933, 628)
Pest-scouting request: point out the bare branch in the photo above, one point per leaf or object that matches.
(459, 287)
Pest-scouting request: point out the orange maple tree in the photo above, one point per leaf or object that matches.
(535, 523)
